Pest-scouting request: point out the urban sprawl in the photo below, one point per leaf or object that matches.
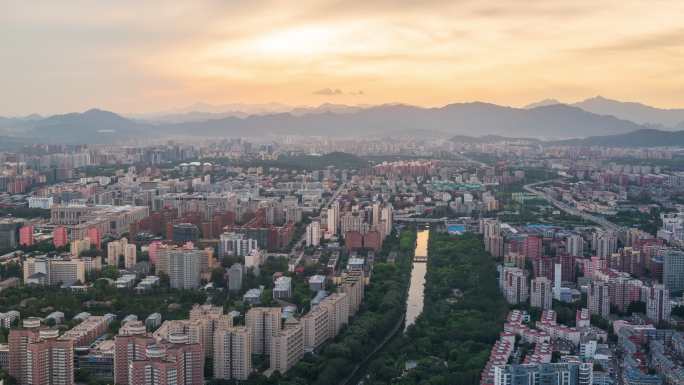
(292, 261)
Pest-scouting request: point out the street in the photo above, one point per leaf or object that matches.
(569, 209)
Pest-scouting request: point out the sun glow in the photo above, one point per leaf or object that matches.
(138, 56)
(310, 40)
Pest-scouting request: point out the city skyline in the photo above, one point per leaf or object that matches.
(330, 192)
(148, 57)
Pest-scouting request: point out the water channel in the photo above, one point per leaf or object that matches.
(414, 302)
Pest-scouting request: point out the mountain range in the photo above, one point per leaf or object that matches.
(201, 111)
(546, 120)
(635, 112)
(648, 137)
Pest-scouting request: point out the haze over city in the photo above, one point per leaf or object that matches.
(330, 192)
(134, 57)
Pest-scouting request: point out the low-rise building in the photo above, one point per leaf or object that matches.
(544, 373)
(317, 282)
(125, 281)
(282, 288)
(153, 321)
(148, 283)
(87, 331)
(56, 316)
(7, 319)
(252, 296)
(98, 360)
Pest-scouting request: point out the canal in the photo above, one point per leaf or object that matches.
(414, 307)
(414, 302)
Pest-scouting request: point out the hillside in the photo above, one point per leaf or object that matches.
(635, 112)
(639, 138)
(473, 119)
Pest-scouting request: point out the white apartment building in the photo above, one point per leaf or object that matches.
(313, 234)
(540, 293)
(514, 285)
(287, 348)
(337, 306)
(263, 323)
(233, 353)
(315, 326)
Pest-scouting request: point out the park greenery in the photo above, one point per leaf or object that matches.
(10, 269)
(648, 222)
(102, 170)
(676, 163)
(462, 317)
(381, 311)
(449, 343)
(101, 298)
(537, 211)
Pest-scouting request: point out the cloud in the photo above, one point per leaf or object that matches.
(132, 57)
(329, 92)
(672, 38)
(336, 91)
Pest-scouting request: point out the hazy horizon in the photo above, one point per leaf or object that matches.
(131, 57)
(224, 107)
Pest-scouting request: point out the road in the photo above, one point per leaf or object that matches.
(569, 209)
(359, 373)
(561, 205)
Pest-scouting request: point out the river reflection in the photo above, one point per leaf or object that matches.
(414, 302)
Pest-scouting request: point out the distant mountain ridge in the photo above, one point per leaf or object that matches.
(635, 112)
(547, 122)
(641, 138)
(202, 111)
(491, 139)
(543, 103)
(638, 113)
(555, 121)
(647, 137)
(92, 126)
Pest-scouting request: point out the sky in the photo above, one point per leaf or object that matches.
(134, 56)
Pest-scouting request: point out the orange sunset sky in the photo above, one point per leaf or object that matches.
(142, 56)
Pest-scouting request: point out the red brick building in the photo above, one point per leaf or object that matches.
(353, 240)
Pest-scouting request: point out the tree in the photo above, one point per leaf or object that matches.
(600, 322)
(678, 311)
(10, 269)
(92, 252)
(8, 380)
(111, 272)
(218, 277)
(82, 375)
(636, 307)
(143, 256)
(451, 340)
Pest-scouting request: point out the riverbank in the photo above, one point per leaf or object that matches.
(414, 302)
(462, 317)
(381, 311)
